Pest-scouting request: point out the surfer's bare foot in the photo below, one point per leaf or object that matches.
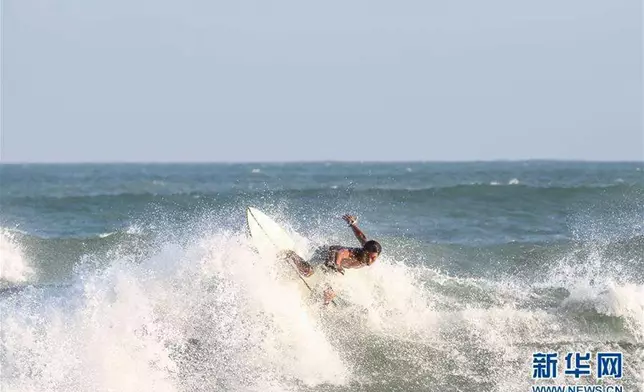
(329, 294)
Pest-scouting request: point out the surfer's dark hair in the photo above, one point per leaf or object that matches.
(372, 246)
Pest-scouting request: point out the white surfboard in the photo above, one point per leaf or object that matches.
(270, 239)
(267, 235)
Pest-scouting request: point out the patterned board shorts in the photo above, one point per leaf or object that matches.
(323, 257)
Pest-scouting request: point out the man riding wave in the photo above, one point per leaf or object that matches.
(338, 258)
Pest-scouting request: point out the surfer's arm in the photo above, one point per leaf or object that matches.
(339, 256)
(351, 220)
(359, 234)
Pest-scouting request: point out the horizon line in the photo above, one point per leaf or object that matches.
(339, 161)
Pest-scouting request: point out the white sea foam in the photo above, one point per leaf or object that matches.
(134, 229)
(14, 266)
(121, 328)
(214, 315)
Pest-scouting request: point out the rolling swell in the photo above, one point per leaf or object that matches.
(447, 217)
(54, 259)
(516, 194)
(528, 258)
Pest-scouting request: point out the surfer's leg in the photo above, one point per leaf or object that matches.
(303, 267)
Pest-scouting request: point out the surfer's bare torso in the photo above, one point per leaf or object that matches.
(338, 258)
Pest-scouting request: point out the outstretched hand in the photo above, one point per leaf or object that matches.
(350, 219)
(335, 268)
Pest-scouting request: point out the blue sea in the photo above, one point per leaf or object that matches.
(141, 277)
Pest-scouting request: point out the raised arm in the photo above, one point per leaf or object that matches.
(351, 220)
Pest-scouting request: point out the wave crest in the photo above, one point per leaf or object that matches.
(14, 267)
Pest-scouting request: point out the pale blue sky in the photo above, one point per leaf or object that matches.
(204, 80)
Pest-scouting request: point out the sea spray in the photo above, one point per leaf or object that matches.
(14, 266)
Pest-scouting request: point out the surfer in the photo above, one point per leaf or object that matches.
(337, 258)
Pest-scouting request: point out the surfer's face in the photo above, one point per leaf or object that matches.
(372, 256)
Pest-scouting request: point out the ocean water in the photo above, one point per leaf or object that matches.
(140, 277)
